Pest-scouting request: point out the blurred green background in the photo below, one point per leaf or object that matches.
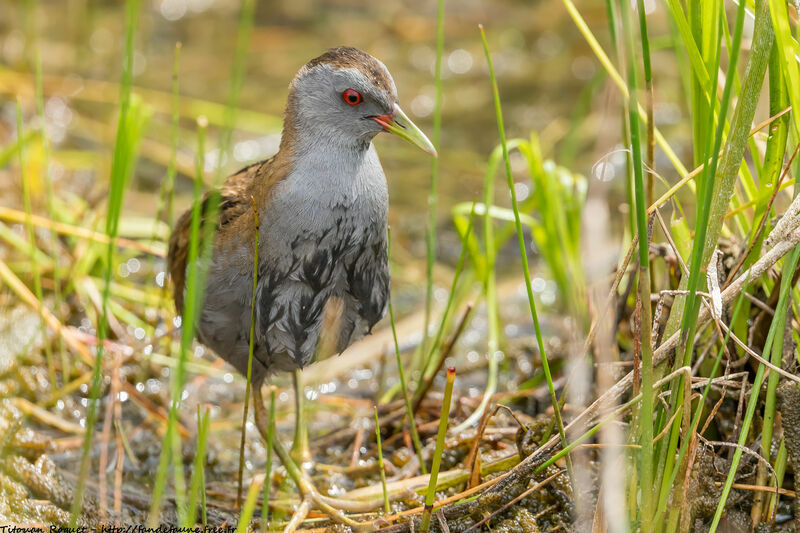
(550, 83)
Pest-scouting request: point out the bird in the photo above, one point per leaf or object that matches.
(322, 201)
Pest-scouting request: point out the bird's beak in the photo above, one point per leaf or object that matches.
(399, 124)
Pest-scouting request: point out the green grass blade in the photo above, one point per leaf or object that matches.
(403, 384)
(780, 314)
(428, 365)
(250, 349)
(129, 128)
(268, 466)
(645, 418)
(195, 284)
(689, 43)
(249, 507)
(430, 232)
(668, 481)
(789, 51)
(196, 485)
(713, 199)
(490, 289)
(713, 205)
(523, 249)
(439, 450)
(170, 449)
(386, 507)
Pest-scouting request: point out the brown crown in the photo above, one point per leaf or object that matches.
(349, 57)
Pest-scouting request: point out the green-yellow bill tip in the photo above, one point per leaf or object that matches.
(399, 124)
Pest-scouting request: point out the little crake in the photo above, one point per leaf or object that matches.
(323, 273)
(323, 278)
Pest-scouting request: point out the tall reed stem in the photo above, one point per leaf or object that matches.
(268, 466)
(437, 454)
(403, 385)
(430, 232)
(645, 419)
(386, 507)
(523, 251)
(250, 349)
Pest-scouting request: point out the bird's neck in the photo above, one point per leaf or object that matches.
(326, 159)
(340, 173)
(324, 171)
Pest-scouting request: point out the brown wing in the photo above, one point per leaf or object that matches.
(234, 200)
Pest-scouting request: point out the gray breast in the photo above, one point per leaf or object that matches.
(324, 276)
(323, 268)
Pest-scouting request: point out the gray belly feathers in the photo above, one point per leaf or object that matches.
(323, 279)
(340, 265)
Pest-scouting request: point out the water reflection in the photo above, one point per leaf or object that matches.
(537, 84)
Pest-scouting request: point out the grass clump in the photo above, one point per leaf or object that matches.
(700, 308)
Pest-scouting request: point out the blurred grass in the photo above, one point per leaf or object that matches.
(430, 231)
(133, 115)
(50, 200)
(171, 445)
(742, 181)
(200, 249)
(33, 249)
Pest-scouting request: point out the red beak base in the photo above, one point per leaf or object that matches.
(384, 120)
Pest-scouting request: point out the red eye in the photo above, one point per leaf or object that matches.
(352, 97)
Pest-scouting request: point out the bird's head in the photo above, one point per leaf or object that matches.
(347, 96)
